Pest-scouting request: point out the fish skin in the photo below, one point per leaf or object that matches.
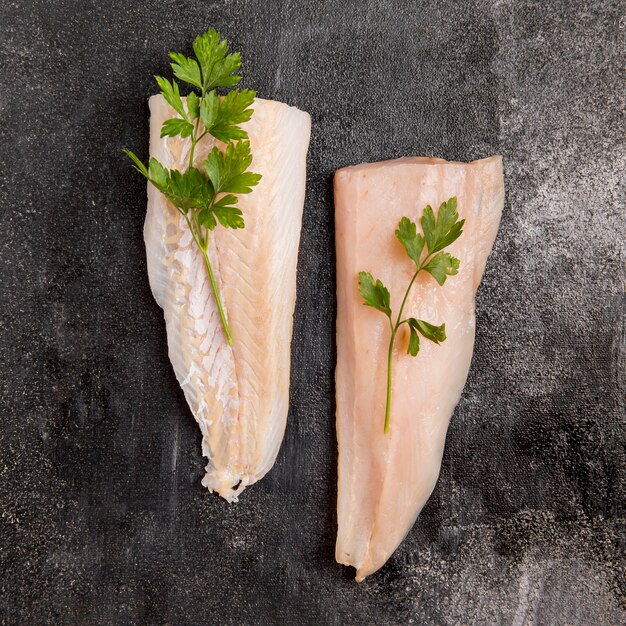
(384, 481)
(239, 393)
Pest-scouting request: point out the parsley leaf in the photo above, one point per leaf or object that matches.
(225, 211)
(442, 265)
(412, 241)
(436, 334)
(175, 127)
(155, 172)
(158, 175)
(186, 69)
(374, 293)
(188, 190)
(227, 170)
(443, 230)
(171, 93)
(414, 341)
(229, 216)
(193, 105)
(138, 165)
(226, 199)
(221, 118)
(207, 218)
(216, 64)
(209, 108)
(234, 109)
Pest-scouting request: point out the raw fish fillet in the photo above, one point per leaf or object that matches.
(384, 481)
(238, 394)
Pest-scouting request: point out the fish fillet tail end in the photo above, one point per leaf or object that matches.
(225, 483)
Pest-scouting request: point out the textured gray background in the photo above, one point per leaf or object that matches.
(104, 520)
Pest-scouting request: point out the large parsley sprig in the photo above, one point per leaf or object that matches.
(206, 196)
(426, 252)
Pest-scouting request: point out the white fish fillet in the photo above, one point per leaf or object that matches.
(238, 394)
(384, 481)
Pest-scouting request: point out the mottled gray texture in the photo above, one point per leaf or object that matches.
(104, 519)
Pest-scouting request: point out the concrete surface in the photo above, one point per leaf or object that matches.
(104, 520)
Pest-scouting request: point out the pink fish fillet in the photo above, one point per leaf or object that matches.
(385, 480)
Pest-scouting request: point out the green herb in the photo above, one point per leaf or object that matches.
(206, 196)
(426, 252)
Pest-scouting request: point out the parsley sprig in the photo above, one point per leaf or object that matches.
(426, 251)
(206, 196)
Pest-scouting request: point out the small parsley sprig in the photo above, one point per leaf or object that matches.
(426, 252)
(206, 196)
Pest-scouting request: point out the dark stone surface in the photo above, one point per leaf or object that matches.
(104, 520)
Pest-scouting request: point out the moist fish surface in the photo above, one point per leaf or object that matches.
(385, 480)
(239, 393)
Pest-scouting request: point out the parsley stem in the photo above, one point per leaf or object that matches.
(406, 295)
(394, 331)
(191, 229)
(194, 136)
(202, 242)
(194, 141)
(389, 366)
(217, 298)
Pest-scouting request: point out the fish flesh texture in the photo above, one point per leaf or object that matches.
(239, 393)
(385, 480)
